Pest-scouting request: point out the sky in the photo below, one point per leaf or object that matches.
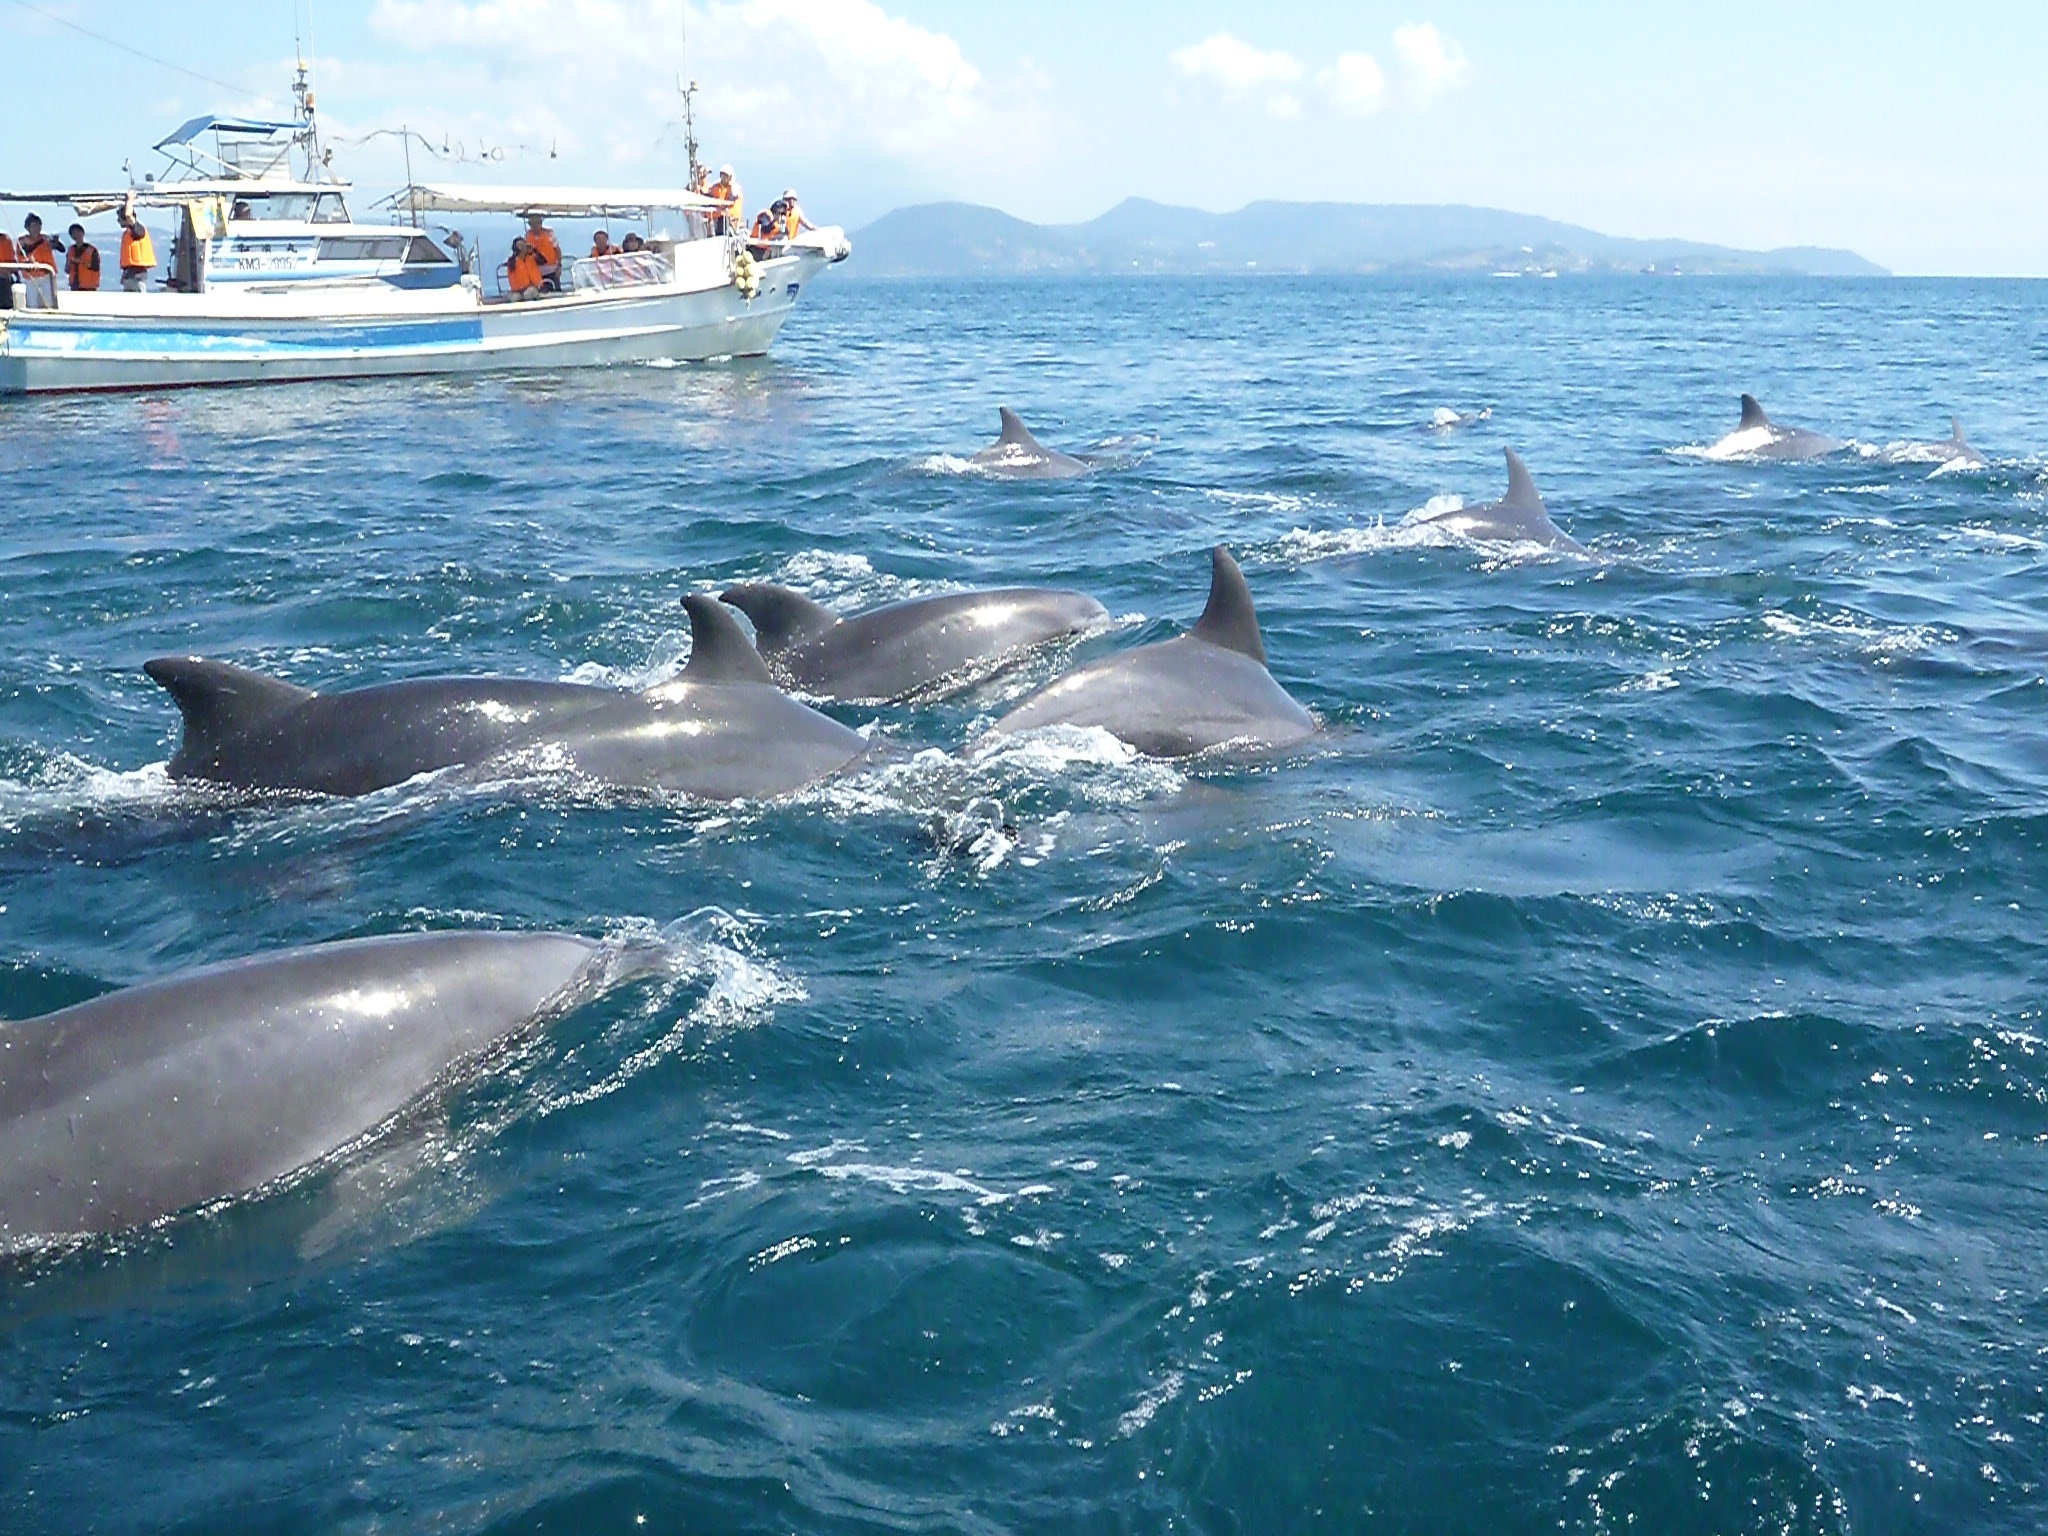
(1909, 133)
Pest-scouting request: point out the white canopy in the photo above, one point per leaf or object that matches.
(171, 194)
(555, 202)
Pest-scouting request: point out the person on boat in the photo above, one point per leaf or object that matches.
(601, 245)
(82, 262)
(793, 221)
(633, 244)
(523, 270)
(767, 230)
(7, 258)
(547, 250)
(37, 249)
(138, 255)
(732, 218)
(240, 210)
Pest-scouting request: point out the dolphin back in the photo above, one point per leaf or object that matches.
(912, 648)
(144, 1102)
(1014, 433)
(219, 703)
(1229, 620)
(1207, 688)
(782, 618)
(719, 649)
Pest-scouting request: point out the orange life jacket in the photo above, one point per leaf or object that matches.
(6, 248)
(38, 250)
(137, 253)
(603, 250)
(727, 191)
(82, 266)
(523, 273)
(545, 246)
(792, 224)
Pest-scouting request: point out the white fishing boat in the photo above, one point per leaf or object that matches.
(270, 278)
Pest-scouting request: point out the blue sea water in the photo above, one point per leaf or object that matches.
(1600, 1085)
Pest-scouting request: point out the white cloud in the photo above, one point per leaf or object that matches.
(1355, 84)
(1432, 62)
(1239, 69)
(796, 79)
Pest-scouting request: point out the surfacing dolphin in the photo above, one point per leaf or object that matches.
(1758, 437)
(1017, 455)
(1517, 518)
(215, 1082)
(908, 648)
(721, 730)
(1206, 688)
(1953, 450)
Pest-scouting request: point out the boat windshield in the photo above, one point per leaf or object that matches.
(295, 207)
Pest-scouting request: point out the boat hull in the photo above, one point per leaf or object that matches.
(157, 341)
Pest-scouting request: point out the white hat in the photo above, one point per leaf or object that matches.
(790, 193)
(725, 170)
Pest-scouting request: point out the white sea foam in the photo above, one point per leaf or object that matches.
(707, 949)
(67, 786)
(1866, 634)
(947, 464)
(1300, 546)
(665, 660)
(1149, 1403)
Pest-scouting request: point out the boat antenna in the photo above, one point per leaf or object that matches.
(412, 198)
(309, 131)
(689, 92)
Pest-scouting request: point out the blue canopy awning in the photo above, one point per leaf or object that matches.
(190, 131)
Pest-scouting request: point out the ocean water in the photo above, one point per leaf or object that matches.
(1599, 1085)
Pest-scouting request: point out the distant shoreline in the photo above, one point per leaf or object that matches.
(1140, 238)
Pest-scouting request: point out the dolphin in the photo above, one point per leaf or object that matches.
(1017, 455)
(214, 1082)
(1953, 449)
(1206, 688)
(1444, 419)
(1758, 437)
(1517, 518)
(908, 648)
(721, 730)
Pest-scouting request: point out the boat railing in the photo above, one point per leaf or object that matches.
(33, 285)
(620, 269)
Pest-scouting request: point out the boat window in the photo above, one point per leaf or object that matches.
(424, 253)
(328, 208)
(347, 248)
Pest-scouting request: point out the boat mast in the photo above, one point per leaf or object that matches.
(308, 136)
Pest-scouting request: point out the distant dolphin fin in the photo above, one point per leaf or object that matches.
(719, 652)
(1015, 432)
(1522, 494)
(220, 700)
(781, 618)
(1955, 433)
(1229, 620)
(1752, 414)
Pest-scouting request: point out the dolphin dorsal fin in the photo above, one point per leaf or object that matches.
(1229, 621)
(781, 618)
(1015, 432)
(1753, 414)
(719, 652)
(1522, 493)
(1955, 433)
(220, 700)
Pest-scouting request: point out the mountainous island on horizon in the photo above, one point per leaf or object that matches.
(1142, 237)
